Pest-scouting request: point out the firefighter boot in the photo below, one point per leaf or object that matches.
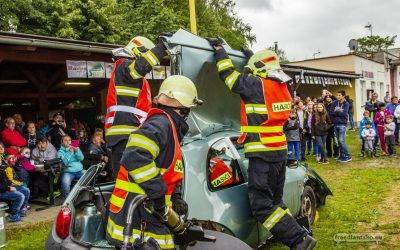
(308, 243)
(288, 231)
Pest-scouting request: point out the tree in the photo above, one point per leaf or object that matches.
(370, 44)
(281, 53)
(116, 21)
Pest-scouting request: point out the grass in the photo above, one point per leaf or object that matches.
(364, 195)
(31, 237)
(365, 200)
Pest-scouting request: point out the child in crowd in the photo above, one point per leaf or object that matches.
(380, 120)
(390, 139)
(368, 137)
(366, 119)
(292, 133)
(10, 194)
(72, 158)
(17, 183)
(320, 127)
(24, 165)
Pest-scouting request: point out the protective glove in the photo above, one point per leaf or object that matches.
(214, 42)
(150, 244)
(179, 205)
(247, 52)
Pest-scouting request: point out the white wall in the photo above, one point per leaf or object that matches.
(378, 83)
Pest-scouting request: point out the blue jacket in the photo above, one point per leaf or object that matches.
(339, 112)
(391, 107)
(72, 160)
(362, 125)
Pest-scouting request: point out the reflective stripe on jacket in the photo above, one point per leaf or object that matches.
(265, 107)
(129, 97)
(133, 177)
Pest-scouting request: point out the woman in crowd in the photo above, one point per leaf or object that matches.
(84, 141)
(320, 127)
(31, 135)
(13, 140)
(72, 158)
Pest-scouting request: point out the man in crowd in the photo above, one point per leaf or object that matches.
(44, 151)
(19, 123)
(339, 114)
(58, 130)
(372, 105)
(351, 112)
(266, 105)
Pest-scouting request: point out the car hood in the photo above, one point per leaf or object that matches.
(193, 57)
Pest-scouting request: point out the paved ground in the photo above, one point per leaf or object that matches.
(34, 217)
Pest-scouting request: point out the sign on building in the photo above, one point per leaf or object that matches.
(96, 69)
(76, 69)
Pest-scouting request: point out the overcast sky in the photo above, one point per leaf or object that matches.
(303, 27)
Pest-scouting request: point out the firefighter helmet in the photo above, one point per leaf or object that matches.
(135, 47)
(263, 62)
(181, 89)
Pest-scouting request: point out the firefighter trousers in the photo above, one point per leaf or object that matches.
(116, 154)
(265, 185)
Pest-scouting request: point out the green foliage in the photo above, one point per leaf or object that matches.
(375, 43)
(281, 53)
(117, 21)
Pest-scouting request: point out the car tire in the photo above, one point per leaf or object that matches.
(308, 204)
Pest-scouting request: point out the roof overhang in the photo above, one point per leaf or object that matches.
(19, 39)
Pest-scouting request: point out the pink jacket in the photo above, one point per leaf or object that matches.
(379, 119)
(26, 164)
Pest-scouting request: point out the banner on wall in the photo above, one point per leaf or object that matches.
(76, 69)
(96, 69)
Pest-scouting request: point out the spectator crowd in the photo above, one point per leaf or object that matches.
(26, 147)
(318, 126)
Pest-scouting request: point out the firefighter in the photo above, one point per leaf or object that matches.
(152, 164)
(265, 106)
(129, 97)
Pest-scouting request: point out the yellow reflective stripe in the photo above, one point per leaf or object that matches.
(145, 173)
(129, 187)
(120, 130)
(256, 109)
(151, 58)
(136, 51)
(127, 91)
(270, 222)
(168, 201)
(261, 129)
(133, 72)
(231, 79)
(221, 179)
(252, 147)
(273, 139)
(116, 201)
(224, 64)
(165, 241)
(141, 141)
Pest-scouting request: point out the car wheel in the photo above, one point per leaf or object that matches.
(308, 204)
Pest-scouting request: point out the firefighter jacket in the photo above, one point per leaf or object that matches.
(265, 107)
(152, 165)
(129, 97)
